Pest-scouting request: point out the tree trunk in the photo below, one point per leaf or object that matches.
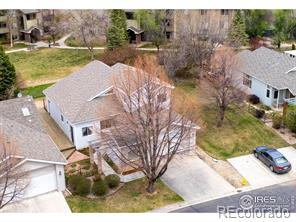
(151, 186)
(221, 117)
(11, 39)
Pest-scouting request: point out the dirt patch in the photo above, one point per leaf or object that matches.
(285, 133)
(223, 168)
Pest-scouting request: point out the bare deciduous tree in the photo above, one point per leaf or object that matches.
(149, 132)
(224, 85)
(11, 19)
(52, 23)
(89, 26)
(13, 179)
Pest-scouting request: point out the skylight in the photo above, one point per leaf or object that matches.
(26, 111)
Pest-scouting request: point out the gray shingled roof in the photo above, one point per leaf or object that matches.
(77, 94)
(27, 132)
(73, 94)
(271, 67)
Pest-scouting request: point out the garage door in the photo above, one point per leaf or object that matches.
(42, 180)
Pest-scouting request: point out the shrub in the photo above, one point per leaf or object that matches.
(277, 120)
(100, 188)
(258, 113)
(79, 185)
(253, 99)
(290, 118)
(265, 107)
(97, 177)
(112, 180)
(186, 72)
(123, 54)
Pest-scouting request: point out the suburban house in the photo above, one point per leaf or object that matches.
(36, 154)
(268, 74)
(84, 104)
(26, 25)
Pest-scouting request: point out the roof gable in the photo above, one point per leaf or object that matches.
(271, 67)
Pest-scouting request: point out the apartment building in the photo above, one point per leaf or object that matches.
(24, 24)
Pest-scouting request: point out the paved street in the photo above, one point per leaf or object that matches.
(285, 195)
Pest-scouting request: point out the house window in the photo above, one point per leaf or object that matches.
(224, 11)
(62, 118)
(129, 15)
(31, 16)
(247, 80)
(86, 131)
(106, 123)
(276, 94)
(268, 92)
(161, 98)
(2, 24)
(203, 12)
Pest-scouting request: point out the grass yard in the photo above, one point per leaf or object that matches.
(15, 46)
(35, 91)
(131, 198)
(240, 133)
(48, 65)
(71, 41)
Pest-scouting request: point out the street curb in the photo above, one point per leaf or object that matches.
(177, 206)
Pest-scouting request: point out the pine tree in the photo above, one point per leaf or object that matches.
(7, 76)
(237, 35)
(117, 32)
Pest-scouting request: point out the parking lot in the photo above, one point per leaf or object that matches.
(259, 175)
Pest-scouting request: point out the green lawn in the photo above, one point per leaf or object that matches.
(15, 46)
(240, 133)
(48, 65)
(131, 198)
(35, 91)
(71, 41)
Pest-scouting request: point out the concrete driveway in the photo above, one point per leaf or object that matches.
(259, 175)
(194, 180)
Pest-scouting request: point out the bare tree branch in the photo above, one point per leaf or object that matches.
(148, 133)
(13, 179)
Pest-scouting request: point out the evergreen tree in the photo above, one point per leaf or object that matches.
(256, 22)
(117, 32)
(237, 35)
(7, 76)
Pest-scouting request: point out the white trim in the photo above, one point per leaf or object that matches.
(45, 161)
(291, 70)
(101, 93)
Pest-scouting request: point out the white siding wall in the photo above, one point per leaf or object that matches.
(259, 89)
(82, 141)
(55, 113)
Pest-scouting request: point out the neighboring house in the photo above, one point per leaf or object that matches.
(35, 151)
(26, 25)
(85, 102)
(268, 74)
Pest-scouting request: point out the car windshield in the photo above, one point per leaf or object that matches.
(281, 160)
